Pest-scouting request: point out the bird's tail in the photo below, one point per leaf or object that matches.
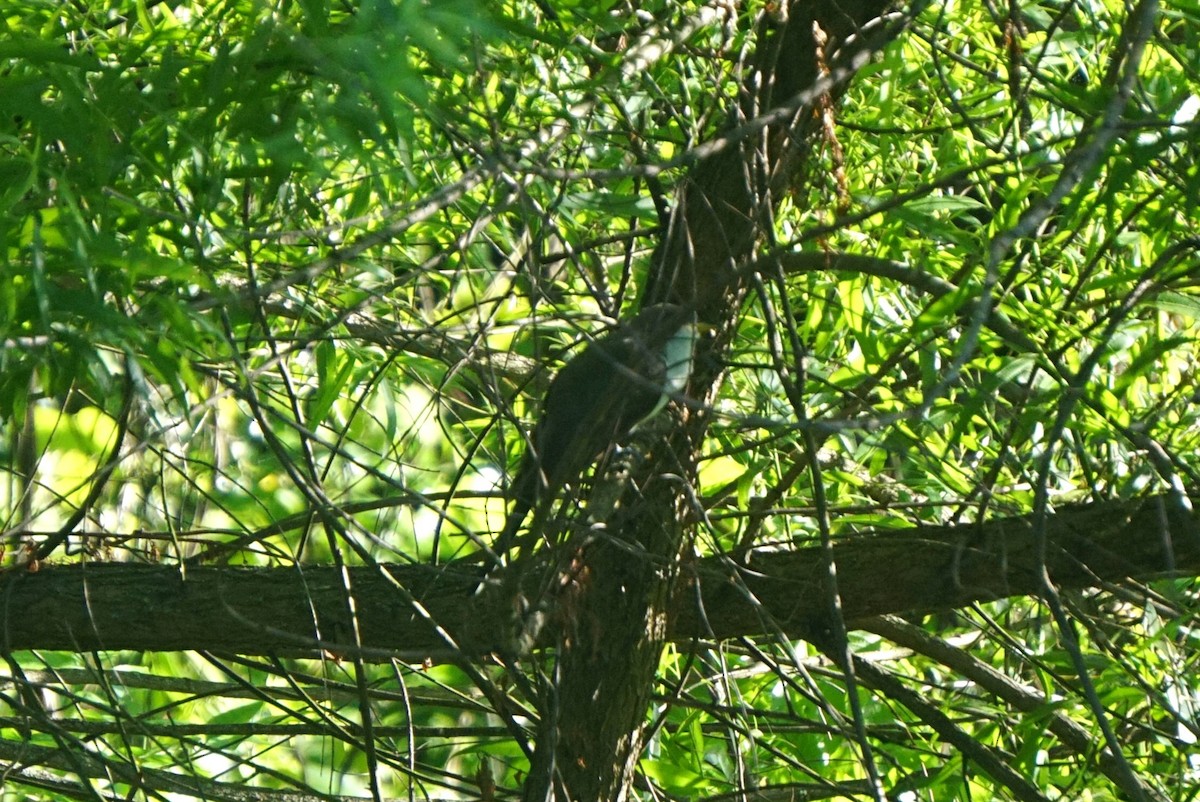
(512, 524)
(524, 493)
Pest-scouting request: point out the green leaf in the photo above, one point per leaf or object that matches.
(943, 310)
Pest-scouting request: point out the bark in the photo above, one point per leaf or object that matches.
(294, 610)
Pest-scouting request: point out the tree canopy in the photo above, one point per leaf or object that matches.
(283, 285)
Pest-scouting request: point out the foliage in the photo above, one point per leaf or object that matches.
(260, 263)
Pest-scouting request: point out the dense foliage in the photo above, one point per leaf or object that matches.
(278, 282)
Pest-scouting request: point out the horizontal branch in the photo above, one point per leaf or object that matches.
(420, 612)
(930, 568)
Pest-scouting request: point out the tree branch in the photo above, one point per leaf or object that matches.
(278, 610)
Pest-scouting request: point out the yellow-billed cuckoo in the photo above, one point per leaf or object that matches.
(619, 380)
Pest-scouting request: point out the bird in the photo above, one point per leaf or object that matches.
(619, 380)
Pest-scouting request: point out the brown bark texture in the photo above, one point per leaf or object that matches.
(293, 610)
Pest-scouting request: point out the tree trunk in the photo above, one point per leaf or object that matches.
(590, 733)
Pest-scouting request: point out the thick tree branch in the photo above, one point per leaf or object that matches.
(296, 610)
